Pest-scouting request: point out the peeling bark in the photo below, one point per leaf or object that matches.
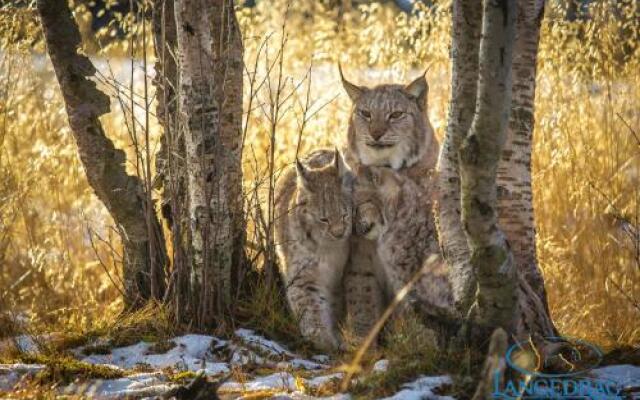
(122, 194)
(210, 92)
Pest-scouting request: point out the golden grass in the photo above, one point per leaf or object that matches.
(59, 254)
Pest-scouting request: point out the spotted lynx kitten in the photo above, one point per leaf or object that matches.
(312, 231)
(392, 210)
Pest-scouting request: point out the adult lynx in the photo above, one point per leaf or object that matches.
(388, 127)
(312, 231)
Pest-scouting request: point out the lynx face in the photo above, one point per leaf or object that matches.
(388, 125)
(324, 198)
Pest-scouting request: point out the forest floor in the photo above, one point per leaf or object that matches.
(245, 365)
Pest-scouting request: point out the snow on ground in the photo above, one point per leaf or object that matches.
(423, 389)
(286, 375)
(381, 366)
(11, 374)
(283, 381)
(190, 353)
(132, 386)
(195, 353)
(624, 375)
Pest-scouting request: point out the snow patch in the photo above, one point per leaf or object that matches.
(300, 363)
(26, 344)
(191, 353)
(422, 389)
(623, 375)
(262, 344)
(280, 381)
(322, 380)
(11, 374)
(133, 386)
(380, 366)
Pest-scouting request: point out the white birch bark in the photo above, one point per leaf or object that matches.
(514, 209)
(467, 21)
(515, 201)
(491, 258)
(210, 93)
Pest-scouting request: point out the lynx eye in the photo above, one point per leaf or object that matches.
(395, 115)
(324, 220)
(364, 114)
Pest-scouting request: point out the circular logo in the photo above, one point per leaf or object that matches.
(554, 357)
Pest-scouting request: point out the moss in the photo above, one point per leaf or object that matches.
(161, 346)
(97, 349)
(65, 369)
(182, 377)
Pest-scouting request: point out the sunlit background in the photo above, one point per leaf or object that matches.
(60, 254)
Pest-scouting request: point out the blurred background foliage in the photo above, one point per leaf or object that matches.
(60, 256)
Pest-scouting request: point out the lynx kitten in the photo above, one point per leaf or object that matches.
(406, 238)
(312, 231)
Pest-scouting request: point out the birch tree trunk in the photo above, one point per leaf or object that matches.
(515, 200)
(210, 100)
(484, 169)
(123, 195)
(480, 152)
(467, 23)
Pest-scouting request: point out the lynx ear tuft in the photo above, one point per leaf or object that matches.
(339, 163)
(352, 90)
(419, 89)
(303, 176)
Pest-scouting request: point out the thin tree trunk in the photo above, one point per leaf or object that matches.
(166, 84)
(467, 22)
(210, 93)
(171, 157)
(480, 152)
(513, 178)
(515, 201)
(122, 194)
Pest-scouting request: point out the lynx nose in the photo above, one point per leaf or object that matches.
(378, 133)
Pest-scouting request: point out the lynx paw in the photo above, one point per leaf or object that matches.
(368, 220)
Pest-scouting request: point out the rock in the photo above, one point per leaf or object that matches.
(380, 366)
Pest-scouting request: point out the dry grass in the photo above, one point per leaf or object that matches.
(60, 257)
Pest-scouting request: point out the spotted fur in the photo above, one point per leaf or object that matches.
(406, 237)
(312, 231)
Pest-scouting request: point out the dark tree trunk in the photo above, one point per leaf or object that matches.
(123, 195)
(171, 165)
